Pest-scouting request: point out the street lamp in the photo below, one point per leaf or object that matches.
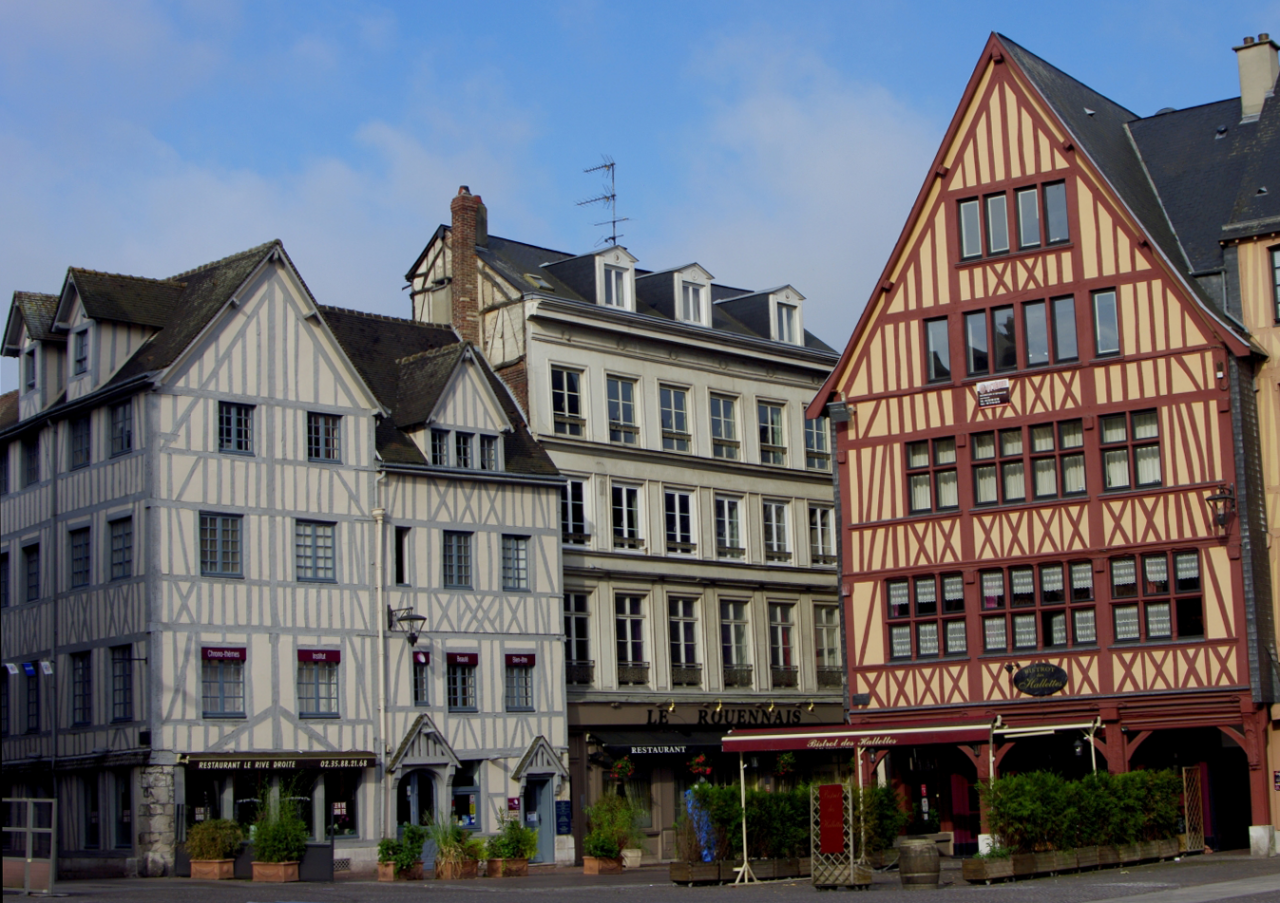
(407, 621)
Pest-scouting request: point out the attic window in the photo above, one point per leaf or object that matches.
(785, 323)
(691, 306)
(537, 281)
(29, 364)
(615, 287)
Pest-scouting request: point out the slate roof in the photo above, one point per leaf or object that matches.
(37, 313)
(127, 299)
(8, 409)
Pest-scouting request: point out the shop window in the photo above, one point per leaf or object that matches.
(931, 478)
(638, 793)
(466, 797)
(342, 796)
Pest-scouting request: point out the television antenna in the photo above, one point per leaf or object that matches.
(608, 196)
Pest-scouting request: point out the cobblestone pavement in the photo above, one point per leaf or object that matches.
(1197, 879)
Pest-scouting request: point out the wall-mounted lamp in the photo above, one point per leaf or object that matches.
(671, 705)
(1223, 502)
(1078, 746)
(406, 621)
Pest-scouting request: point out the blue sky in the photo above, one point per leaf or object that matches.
(771, 142)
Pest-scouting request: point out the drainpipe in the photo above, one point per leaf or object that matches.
(379, 513)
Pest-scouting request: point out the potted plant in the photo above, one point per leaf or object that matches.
(457, 852)
(994, 865)
(611, 829)
(690, 866)
(401, 860)
(511, 848)
(212, 847)
(279, 843)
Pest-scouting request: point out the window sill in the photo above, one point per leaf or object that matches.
(1019, 254)
(123, 452)
(224, 716)
(328, 580)
(238, 454)
(330, 716)
(516, 589)
(335, 461)
(223, 576)
(514, 709)
(456, 586)
(469, 710)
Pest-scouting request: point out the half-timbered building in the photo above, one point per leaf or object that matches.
(697, 513)
(1046, 436)
(253, 547)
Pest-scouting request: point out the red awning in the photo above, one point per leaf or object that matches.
(852, 737)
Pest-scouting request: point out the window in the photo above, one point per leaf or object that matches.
(691, 302)
(817, 448)
(1106, 324)
(1043, 611)
(4, 708)
(31, 455)
(679, 520)
(235, 428)
(313, 550)
(773, 442)
(975, 343)
(80, 359)
(515, 562)
(919, 616)
(1033, 230)
(220, 545)
(1004, 339)
(566, 401)
(1064, 330)
(1055, 213)
(615, 287)
(970, 230)
(456, 560)
(519, 683)
(4, 580)
(81, 688)
(81, 450)
(728, 528)
(29, 365)
(573, 513)
(724, 427)
(822, 538)
(421, 678)
(223, 681)
(4, 469)
(1053, 456)
(1275, 280)
(577, 639)
(324, 437)
(622, 410)
(1123, 447)
(826, 636)
(937, 350)
(402, 556)
(122, 427)
(674, 404)
(121, 548)
(318, 682)
(682, 625)
(781, 650)
(460, 681)
(777, 539)
(79, 557)
(931, 479)
(462, 449)
(629, 629)
(1166, 600)
(734, 640)
(122, 803)
(33, 697)
(997, 224)
(786, 324)
(31, 558)
(121, 683)
(488, 452)
(440, 448)
(1028, 218)
(626, 517)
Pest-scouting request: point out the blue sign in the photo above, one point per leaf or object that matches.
(564, 817)
(30, 668)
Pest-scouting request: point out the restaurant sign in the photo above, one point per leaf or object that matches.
(250, 762)
(993, 392)
(1040, 679)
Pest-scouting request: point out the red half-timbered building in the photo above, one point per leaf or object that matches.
(1038, 466)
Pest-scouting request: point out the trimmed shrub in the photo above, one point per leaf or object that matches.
(218, 838)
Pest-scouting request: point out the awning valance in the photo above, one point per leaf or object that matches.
(854, 737)
(656, 743)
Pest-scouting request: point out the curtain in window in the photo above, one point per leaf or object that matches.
(948, 492)
(1126, 622)
(1010, 442)
(984, 446)
(1115, 464)
(1051, 579)
(918, 454)
(1123, 576)
(1158, 624)
(1073, 473)
(1058, 629)
(953, 593)
(1071, 434)
(1146, 425)
(1082, 578)
(920, 500)
(1156, 571)
(1187, 568)
(927, 638)
(1086, 626)
(1024, 631)
(1045, 474)
(993, 589)
(1023, 580)
(900, 641)
(955, 638)
(1113, 429)
(993, 633)
(926, 596)
(984, 479)
(637, 792)
(1147, 458)
(1042, 438)
(1015, 487)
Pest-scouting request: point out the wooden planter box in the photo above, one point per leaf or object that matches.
(275, 872)
(387, 872)
(1087, 858)
(766, 869)
(598, 865)
(1169, 847)
(863, 876)
(786, 868)
(727, 869)
(1024, 864)
(1149, 849)
(1046, 863)
(213, 869)
(693, 872)
(986, 870)
(1067, 861)
(805, 864)
(1130, 852)
(508, 868)
(453, 871)
(1108, 855)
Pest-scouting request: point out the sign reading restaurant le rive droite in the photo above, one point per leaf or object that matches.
(276, 761)
(1040, 679)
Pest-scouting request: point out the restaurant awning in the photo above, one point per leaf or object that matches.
(853, 737)
(656, 743)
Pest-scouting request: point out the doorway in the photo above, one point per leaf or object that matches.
(539, 814)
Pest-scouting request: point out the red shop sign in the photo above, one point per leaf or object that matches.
(223, 653)
(320, 655)
(521, 660)
(462, 658)
(422, 657)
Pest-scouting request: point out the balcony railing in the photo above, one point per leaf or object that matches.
(730, 551)
(830, 676)
(576, 539)
(686, 675)
(633, 673)
(681, 548)
(737, 675)
(784, 676)
(627, 542)
(777, 555)
(580, 673)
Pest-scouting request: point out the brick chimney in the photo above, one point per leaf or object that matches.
(1259, 67)
(470, 228)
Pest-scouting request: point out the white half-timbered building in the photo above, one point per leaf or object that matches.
(255, 545)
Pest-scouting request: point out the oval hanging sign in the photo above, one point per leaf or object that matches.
(1040, 679)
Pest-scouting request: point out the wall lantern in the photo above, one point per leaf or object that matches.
(1223, 502)
(407, 621)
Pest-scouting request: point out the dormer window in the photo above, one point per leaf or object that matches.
(80, 362)
(615, 287)
(691, 306)
(785, 326)
(29, 368)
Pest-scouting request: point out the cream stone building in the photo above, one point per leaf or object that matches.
(255, 546)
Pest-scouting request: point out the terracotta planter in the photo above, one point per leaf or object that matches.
(1108, 855)
(212, 869)
(1130, 852)
(453, 871)
(387, 872)
(1087, 858)
(986, 870)
(1024, 864)
(508, 868)
(694, 872)
(599, 865)
(275, 872)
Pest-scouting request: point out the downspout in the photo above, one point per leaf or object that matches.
(53, 651)
(379, 513)
(838, 412)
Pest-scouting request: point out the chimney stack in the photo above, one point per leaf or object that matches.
(470, 228)
(1259, 67)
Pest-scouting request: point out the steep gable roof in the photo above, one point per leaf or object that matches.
(127, 299)
(36, 311)
(8, 408)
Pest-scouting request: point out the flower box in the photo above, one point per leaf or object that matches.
(765, 869)
(1149, 849)
(1067, 861)
(863, 876)
(213, 869)
(986, 870)
(1024, 864)
(1129, 852)
(694, 872)
(1046, 862)
(786, 868)
(805, 864)
(728, 869)
(1087, 858)
(275, 872)
(508, 868)
(453, 871)
(387, 872)
(1169, 847)
(599, 865)
(1108, 855)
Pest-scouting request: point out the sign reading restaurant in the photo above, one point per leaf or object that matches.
(252, 762)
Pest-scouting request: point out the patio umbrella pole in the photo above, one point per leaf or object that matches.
(745, 875)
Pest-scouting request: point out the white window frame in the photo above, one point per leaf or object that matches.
(573, 513)
(80, 352)
(822, 535)
(515, 563)
(629, 534)
(675, 418)
(728, 510)
(776, 431)
(679, 504)
(615, 288)
(690, 306)
(786, 324)
(628, 430)
(776, 532)
(728, 445)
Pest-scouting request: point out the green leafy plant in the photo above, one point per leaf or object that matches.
(450, 841)
(513, 840)
(282, 838)
(406, 852)
(722, 808)
(622, 769)
(611, 826)
(994, 853)
(218, 838)
(882, 810)
(778, 824)
(785, 764)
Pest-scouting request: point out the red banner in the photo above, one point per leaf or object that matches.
(521, 660)
(831, 818)
(462, 658)
(320, 655)
(850, 738)
(422, 656)
(223, 653)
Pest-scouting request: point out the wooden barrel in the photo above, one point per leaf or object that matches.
(918, 864)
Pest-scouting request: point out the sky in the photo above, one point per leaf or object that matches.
(770, 142)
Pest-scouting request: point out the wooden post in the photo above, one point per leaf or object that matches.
(745, 875)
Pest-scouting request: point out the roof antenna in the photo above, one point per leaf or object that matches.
(609, 195)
